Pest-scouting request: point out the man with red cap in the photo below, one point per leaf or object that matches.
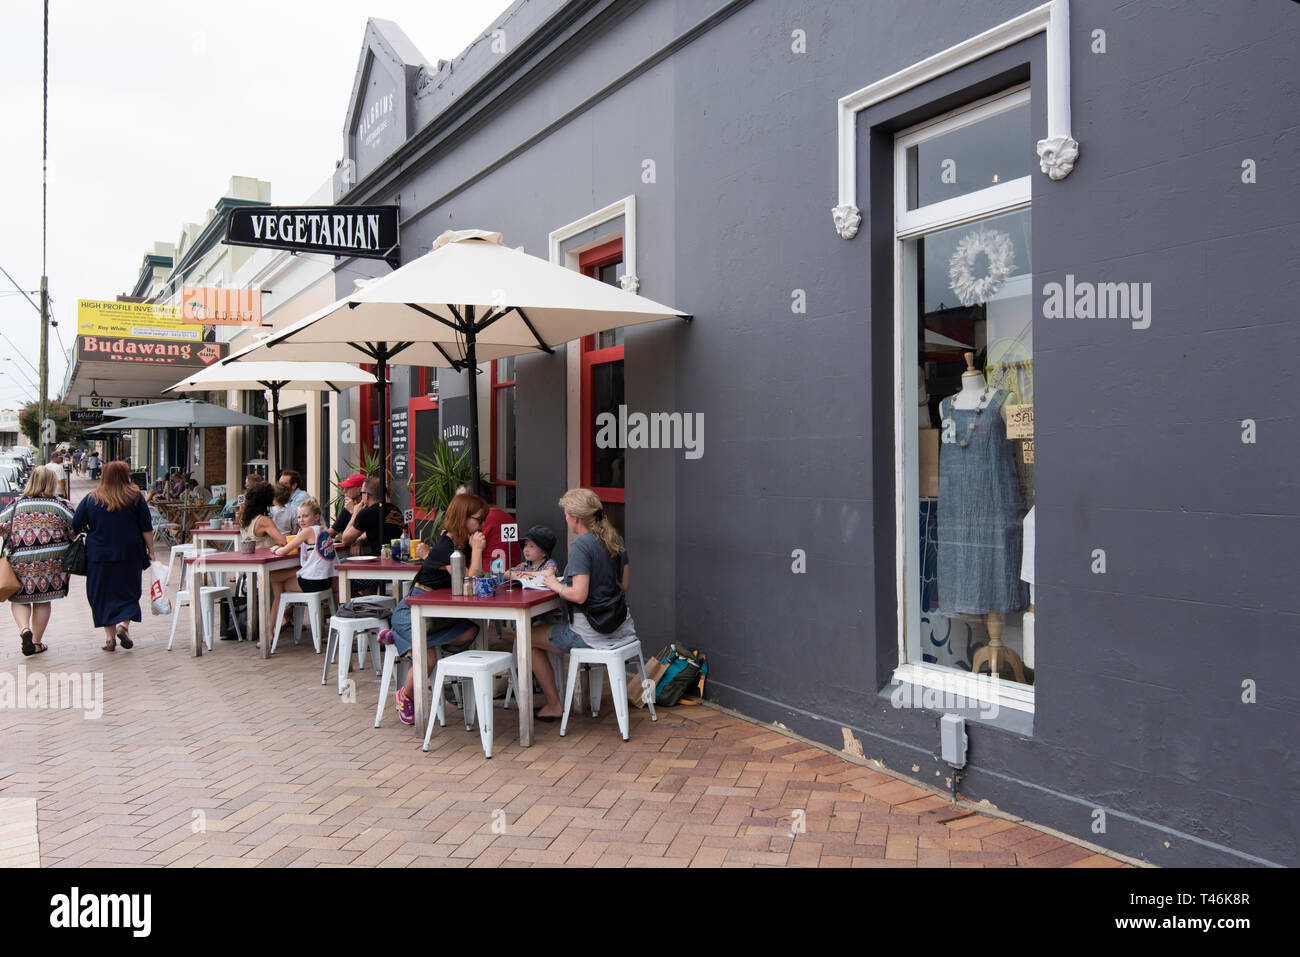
(351, 502)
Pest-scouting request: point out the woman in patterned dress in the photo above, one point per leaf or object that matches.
(41, 531)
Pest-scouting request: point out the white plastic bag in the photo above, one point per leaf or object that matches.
(158, 599)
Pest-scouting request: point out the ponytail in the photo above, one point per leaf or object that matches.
(583, 505)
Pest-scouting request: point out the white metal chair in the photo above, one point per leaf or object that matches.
(339, 644)
(209, 595)
(615, 662)
(314, 603)
(480, 667)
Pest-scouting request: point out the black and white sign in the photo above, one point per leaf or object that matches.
(366, 231)
(509, 533)
(454, 422)
(86, 416)
(103, 402)
(397, 443)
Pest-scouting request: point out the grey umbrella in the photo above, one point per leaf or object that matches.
(179, 414)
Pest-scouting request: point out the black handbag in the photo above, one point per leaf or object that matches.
(606, 617)
(74, 557)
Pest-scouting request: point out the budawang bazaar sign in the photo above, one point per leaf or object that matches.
(369, 232)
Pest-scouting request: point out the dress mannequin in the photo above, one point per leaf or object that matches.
(976, 394)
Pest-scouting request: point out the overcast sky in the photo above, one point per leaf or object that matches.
(153, 107)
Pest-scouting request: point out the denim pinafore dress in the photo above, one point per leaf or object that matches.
(981, 513)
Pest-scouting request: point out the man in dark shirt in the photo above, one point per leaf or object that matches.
(375, 523)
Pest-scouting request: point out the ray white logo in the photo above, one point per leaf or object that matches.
(75, 910)
(656, 430)
(1098, 300)
(76, 691)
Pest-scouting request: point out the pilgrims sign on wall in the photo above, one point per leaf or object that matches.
(366, 231)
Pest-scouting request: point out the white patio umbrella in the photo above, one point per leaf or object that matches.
(274, 376)
(468, 300)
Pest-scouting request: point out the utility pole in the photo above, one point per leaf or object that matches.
(45, 285)
(45, 363)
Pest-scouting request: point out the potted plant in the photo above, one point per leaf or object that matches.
(435, 481)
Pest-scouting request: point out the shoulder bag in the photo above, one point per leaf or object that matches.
(9, 583)
(607, 617)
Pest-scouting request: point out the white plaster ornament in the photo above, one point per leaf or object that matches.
(847, 220)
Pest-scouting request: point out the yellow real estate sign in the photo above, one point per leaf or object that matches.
(134, 320)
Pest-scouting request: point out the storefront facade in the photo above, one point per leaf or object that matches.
(847, 201)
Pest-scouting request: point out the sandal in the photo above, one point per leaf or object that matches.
(29, 646)
(124, 638)
(110, 645)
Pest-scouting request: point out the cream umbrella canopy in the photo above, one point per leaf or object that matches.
(470, 299)
(274, 376)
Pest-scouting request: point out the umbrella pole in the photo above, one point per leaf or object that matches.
(472, 369)
(381, 379)
(275, 418)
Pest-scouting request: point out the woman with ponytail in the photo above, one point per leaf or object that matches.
(597, 575)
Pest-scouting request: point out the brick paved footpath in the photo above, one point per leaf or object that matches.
(229, 760)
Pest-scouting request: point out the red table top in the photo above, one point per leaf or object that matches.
(515, 598)
(262, 556)
(379, 565)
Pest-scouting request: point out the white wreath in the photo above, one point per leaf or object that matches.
(1002, 263)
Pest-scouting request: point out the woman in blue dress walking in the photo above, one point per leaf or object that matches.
(119, 547)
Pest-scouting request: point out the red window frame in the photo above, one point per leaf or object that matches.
(368, 412)
(589, 262)
(492, 397)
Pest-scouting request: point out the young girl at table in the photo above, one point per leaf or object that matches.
(315, 553)
(538, 545)
(461, 529)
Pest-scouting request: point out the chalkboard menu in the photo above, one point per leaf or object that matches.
(423, 429)
(397, 444)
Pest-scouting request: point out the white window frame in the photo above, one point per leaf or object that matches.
(910, 225)
(624, 208)
(1057, 152)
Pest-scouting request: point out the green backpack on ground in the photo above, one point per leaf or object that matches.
(684, 671)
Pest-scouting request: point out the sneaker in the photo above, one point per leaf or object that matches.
(405, 708)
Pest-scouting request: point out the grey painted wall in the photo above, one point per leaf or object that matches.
(1140, 671)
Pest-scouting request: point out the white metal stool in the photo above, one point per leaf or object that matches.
(615, 661)
(480, 667)
(209, 595)
(183, 552)
(341, 633)
(314, 602)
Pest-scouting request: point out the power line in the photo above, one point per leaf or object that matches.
(20, 288)
(19, 352)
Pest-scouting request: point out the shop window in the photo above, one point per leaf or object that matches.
(603, 469)
(503, 434)
(964, 328)
(256, 440)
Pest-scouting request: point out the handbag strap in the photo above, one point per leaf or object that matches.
(9, 532)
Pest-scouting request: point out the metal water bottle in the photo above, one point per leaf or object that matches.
(457, 570)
